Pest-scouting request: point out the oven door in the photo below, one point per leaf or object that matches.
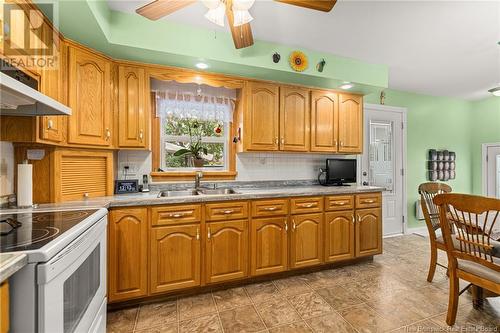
(72, 285)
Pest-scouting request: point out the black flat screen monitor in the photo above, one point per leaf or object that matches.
(340, 171)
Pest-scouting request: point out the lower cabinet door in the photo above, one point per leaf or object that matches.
(368, 232)
(175, 257)
(128, 254)
(269, 245)
(226, 251)
(306, 240)
(339, 235)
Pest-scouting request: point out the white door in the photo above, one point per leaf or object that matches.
(493, 171)
(382, 162)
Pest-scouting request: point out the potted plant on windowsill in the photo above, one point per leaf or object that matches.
(195, 148)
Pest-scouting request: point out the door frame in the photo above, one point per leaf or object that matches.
(484, 165)
(403, 111)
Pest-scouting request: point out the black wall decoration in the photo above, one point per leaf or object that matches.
(441, 165)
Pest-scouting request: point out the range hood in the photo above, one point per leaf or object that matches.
(18, 99)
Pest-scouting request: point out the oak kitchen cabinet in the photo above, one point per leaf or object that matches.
(128, 254)
(294, 119)
(269, 245)
(306, 240)
(324, 121)
(89, 96)
(132, 112)
(350, 124)
(339, 235)
(368, 232)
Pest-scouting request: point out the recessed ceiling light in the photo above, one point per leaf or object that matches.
(201, 65)
(346, 86)
(495, 91)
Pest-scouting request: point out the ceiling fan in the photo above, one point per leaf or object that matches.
(236, 11)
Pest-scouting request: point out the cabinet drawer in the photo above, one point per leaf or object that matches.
(178, 214)
(339, 202)
(306, 205)
(226, 211)
(263, 208)
(368, 200)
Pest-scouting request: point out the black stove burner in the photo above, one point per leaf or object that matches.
(34, 230)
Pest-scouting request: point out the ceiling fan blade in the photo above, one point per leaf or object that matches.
(322, 5)
(242, 35)
(160, 8)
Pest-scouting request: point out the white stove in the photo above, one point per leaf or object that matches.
(63, 287)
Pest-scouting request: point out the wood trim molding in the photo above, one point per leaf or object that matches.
(189, 175)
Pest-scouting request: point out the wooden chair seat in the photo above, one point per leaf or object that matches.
(479, 270)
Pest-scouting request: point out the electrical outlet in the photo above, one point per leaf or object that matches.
(131, 172)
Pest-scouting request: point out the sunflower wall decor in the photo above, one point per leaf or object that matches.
(298, 61)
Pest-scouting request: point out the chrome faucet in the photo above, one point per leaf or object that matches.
(197, 179)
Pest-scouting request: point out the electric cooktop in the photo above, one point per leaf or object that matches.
(31, 231)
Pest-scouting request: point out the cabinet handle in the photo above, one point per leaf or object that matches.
(338, 203)
(286, 226)
(108, 134)
(293, 224)
(368, 201)
(50, 124)
(359, 218)
(307, 205)
(197, 233)
(276, 140)
(335, 144)
(282, 141)
(177, 215)
(341, 144)
(227, 212)
(209, 235)
(270, 209)
(353, 219)
(141, 135)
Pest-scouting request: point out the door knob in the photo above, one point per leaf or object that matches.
(365, 183)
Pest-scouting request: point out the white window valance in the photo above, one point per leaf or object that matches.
(193, 101)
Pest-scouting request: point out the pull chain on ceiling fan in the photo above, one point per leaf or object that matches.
(236, 11)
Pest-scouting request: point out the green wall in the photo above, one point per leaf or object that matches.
(485, 129)
(433, 122)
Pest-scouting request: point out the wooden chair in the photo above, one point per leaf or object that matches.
(427, 193)
(472, 255)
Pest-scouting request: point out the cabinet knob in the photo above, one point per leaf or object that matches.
(50, 124)
(286, 226)
(108, 134)
(141, 135)
(293, 225)
(276, 140)
(353, 219)
(282, 141)
(86, 195)
(198, 233)
(208, 233)
(341, 144)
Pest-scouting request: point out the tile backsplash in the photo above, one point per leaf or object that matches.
(250, 166)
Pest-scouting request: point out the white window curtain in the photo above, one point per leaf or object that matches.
(193, 101)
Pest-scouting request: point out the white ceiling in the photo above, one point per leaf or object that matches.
(441, 48)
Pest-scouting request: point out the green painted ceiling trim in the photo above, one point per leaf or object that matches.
(132, 37)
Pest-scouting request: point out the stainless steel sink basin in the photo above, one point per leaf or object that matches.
(220, 191)
(180, 193)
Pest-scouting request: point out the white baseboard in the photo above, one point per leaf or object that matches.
(422, 231)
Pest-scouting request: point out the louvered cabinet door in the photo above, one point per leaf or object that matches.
(89, 88)
(132, 129)
(128, 253)
(81, 174)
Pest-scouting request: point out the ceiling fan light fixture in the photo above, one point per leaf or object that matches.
(241, 17)
(495, 91)
(217, 15)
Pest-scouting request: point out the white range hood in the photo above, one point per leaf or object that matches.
(17, 99)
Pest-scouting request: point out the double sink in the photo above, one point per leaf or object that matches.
(199, 191)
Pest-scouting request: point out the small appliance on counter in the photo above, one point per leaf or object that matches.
(24, 185)
(145, 183)
(338, 172)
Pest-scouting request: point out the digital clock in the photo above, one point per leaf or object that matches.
(126, 186)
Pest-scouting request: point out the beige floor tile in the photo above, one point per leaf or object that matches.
(260, 292)
(292, 286)
(338, 297)
(277, 311)
(165, 328)
(330, 323)
(310, 305)
(241, 320)
(298, 327)
(366, 320)
(156, 314)
(194, 306)
(201, 324)
(470, 320)
(231, 298)
(121, 320)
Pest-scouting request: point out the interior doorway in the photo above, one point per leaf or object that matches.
(491, 170)
(383, 162)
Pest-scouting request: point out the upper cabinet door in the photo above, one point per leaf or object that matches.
(350, 123)
(262, 117)
(294, 119)
(324, 121)
(131, 108)
(89, 86)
